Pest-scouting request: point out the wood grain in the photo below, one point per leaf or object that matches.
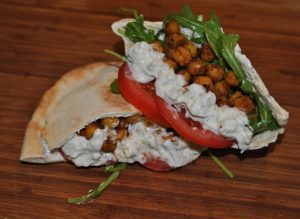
(40, 40)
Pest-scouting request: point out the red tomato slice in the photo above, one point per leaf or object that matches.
(156, 164)
(191, 130)
(140, 96)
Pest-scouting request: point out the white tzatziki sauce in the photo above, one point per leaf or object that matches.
(147, 64)
(143, 142)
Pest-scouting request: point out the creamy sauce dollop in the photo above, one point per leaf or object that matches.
(147, 64)
(143, 142)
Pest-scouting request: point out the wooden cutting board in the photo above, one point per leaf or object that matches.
(41, 40)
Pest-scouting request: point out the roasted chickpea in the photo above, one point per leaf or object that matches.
(171, 63)
(234, 96)
(172, 27)
(108, 147)
(244, 104)
(205, 81)
(121, 133)
(168, 52)
(253, 116)
(187, 76)
(231, 79)
(148, 122)
(222, 101)
(221, 88)
(168, 137)
(193, 49)
(175, 40)
(89, 130)
(157, 46)
(196, 67)
(215, 72)
(134, 119)
(110, 122)
(123, 124)
(182, 56)
(206, 53)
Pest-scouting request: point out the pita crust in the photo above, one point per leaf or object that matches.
(281, 115)
(78, 98)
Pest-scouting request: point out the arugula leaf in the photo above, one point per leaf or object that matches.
(136, 31)
(186, 19)
(114, 87)
(266, 119)
(213, 32)
(223, 46)
(220, 164)
(96, 192)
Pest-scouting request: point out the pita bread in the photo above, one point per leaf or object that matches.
(78, 98)
(258, 141)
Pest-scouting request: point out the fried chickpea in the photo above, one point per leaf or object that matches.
(234, 96)
(182, 56)
(168, 52)
(193, 49)
(206, 53)
(204, 81)
(123, 124)
(89, 130)
(157, 46)
(222, 101)
(244, 104)
(196, 67)
(231, 79)
(134, 119)
(215, 72)
(148, 122)
(121, 133)
(171, 63)
(187, 76)
(110, 122)
(253, 116)
(168, 137)
(172, 27)
(175, 40)
(108, 147)
(221, 88)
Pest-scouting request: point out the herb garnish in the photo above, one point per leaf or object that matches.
(114, 87)
(96, 192)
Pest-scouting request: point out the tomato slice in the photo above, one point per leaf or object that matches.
(140, 96)
(156, 164)
(189, 129)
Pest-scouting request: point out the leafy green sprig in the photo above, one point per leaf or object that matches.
(136, 31)
(115, 171)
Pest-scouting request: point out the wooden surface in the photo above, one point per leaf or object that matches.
(40, 40)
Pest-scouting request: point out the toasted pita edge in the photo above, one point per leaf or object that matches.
(72, 84)
(280, 114)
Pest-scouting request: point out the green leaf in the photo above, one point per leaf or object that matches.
(266, 119)
(136, 31)
(213, 33)
(114, 87)
(186, 19)
(96, 192)
(220, 164)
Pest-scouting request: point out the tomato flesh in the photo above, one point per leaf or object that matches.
(189, 129)
(140, 96)
(156, 164)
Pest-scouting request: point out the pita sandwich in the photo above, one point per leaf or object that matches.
(81, 100)
(281, 116)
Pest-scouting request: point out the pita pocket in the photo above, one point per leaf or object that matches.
(81, 100)
(281, 116)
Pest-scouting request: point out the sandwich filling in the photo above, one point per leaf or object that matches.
(147, 65)
(127, 139)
